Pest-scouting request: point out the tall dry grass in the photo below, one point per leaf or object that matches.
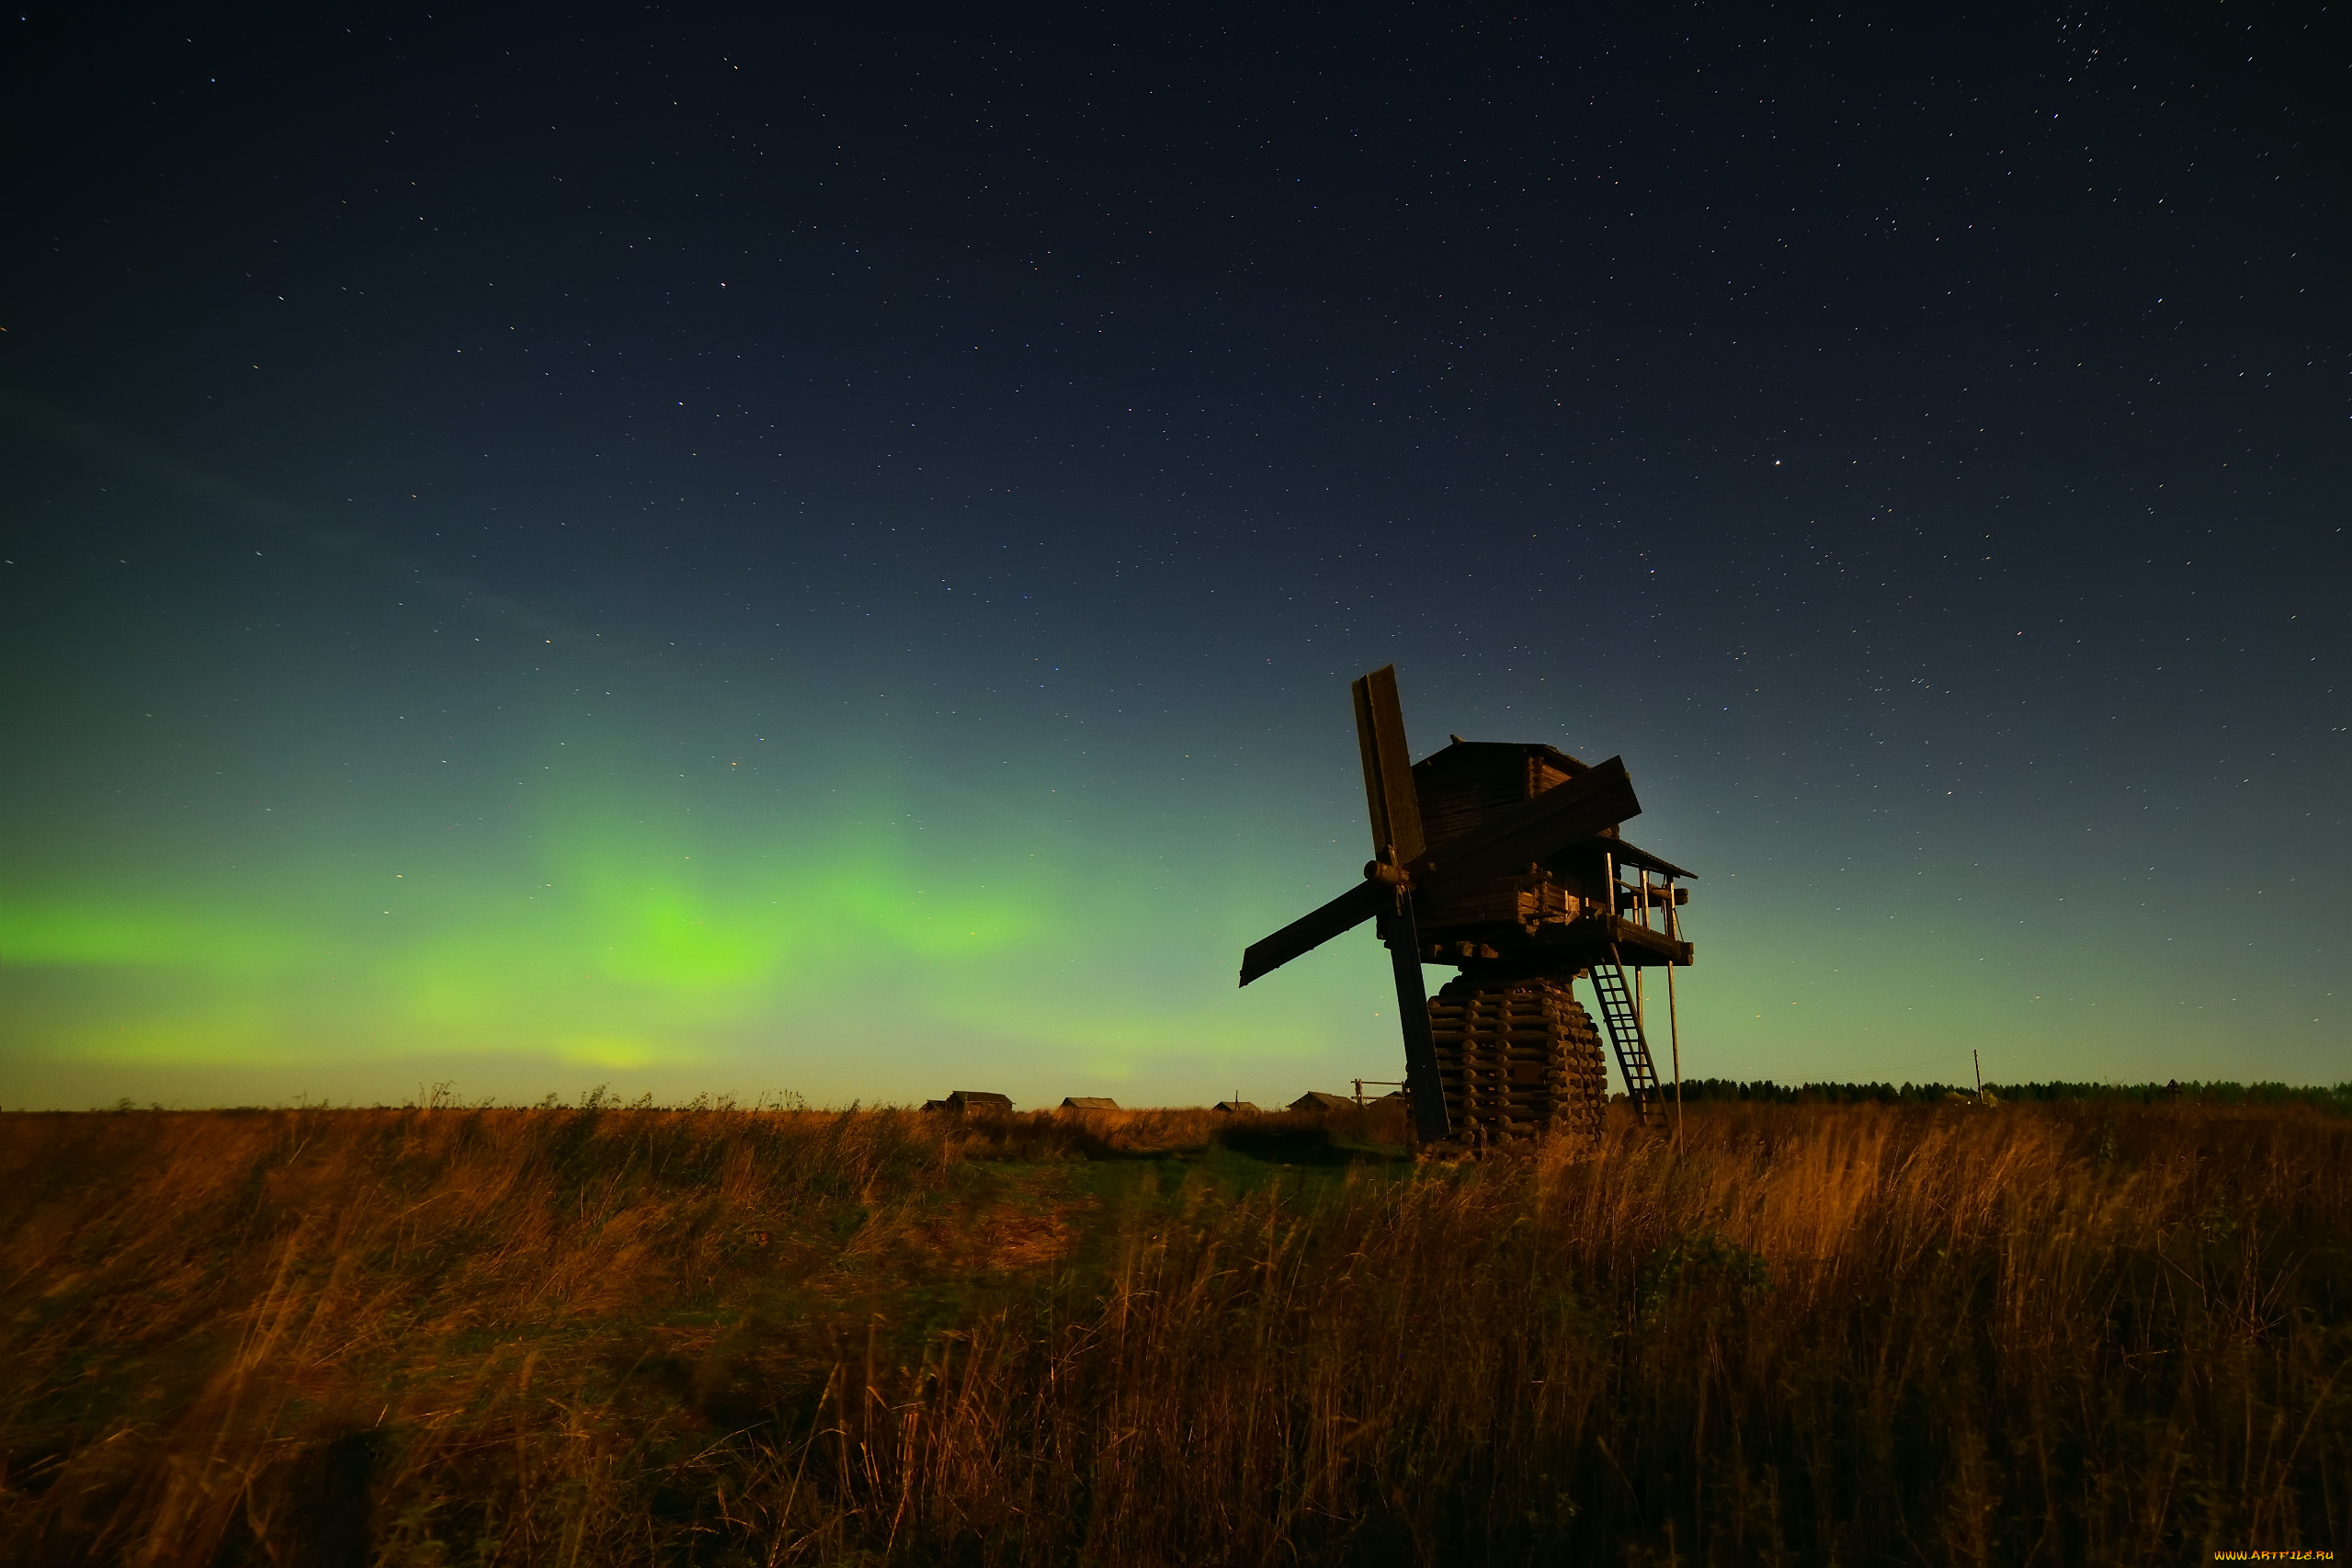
(1819, 1335)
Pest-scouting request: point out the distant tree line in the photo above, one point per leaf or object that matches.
(1766, 1091)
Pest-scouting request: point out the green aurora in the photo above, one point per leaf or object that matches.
(725, 938)
(742, 930)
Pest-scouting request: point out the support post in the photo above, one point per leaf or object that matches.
(1427, 1090)
(1673, 1027)
(1673, 1033)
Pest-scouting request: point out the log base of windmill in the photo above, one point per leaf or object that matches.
(1520, 1062)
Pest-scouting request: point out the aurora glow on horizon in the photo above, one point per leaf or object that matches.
(651, 607)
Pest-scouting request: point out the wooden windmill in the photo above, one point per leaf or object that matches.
(1505, 860)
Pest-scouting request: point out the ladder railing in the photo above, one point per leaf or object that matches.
(1624, 1022)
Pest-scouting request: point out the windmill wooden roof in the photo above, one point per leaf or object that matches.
(1633, 855)
(1469, 781)
(1481, 755)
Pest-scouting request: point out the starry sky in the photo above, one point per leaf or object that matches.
(770, 553)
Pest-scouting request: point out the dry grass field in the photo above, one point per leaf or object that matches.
(1819, 1335)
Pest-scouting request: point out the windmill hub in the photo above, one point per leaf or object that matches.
(1505, 860)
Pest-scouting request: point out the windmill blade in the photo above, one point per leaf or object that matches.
(1506, 843)
(1429, 1117)
(1309, 932)
(1388, 768)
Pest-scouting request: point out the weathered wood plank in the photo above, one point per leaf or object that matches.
(1388, 793)
(1310, 931)
(1507, 842)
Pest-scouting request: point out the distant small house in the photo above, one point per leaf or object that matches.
(1237, 1107)
(963, 1101)
(1088, 1102)
(1315, 1099)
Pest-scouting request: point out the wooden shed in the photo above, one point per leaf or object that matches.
(962, 1101)
(1236, 1107)
(1088, 1102)
(1315, 1099)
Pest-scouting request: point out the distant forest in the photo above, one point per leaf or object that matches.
(2337, 1099)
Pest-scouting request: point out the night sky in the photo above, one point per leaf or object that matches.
(792, 553)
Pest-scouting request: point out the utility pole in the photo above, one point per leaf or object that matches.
(1979, 1062)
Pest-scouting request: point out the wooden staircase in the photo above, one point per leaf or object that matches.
(1624, 1023)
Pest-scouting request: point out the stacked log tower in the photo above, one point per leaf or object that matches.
(1520, 1059)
